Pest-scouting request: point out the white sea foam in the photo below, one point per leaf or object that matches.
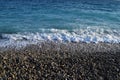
(82, 35)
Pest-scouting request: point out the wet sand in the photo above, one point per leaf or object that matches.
(68, 61)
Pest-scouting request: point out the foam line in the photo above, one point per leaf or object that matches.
(83, 35)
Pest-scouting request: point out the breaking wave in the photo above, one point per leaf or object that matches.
(87, 35)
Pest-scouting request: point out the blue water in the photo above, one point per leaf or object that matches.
(59, 20)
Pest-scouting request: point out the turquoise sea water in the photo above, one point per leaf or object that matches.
(31, 21)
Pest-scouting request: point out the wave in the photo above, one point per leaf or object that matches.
(87, 35)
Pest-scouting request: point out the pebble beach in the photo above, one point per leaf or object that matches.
(61, 61)
(59, 39)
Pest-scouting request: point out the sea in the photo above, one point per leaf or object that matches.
(25, 22)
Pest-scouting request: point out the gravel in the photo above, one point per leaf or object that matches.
(61, 61)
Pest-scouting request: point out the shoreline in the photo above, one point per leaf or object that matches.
(79, 47)
(62, 61)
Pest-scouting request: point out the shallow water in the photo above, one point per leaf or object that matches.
(31, 21)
